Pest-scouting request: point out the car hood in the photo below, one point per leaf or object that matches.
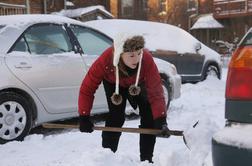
(157, 35)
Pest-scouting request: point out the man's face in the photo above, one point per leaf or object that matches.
(131, 59)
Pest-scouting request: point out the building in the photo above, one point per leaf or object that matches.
(232, 20)
(236, 16)
(86, 13)
(8, 7)
(87, 9)
(129, 9)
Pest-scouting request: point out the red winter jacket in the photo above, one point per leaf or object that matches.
(103, 68)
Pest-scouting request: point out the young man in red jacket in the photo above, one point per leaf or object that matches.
(128, 72)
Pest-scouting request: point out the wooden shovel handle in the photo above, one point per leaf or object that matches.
(117, 129)
(138, 130)
(156, 132)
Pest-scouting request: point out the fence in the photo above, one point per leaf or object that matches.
(10, 9)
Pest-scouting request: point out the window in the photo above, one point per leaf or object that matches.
(145, 4)
(163, 6)
(192, 5)
(127, 7)
(21, 46)
(44, 39)
(92, 42)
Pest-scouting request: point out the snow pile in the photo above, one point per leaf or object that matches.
(239, 135)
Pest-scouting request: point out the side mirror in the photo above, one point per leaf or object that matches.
(197, 47)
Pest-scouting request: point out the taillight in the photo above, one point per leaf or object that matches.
(239, 78)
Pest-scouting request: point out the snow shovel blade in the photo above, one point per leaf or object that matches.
(157, 132)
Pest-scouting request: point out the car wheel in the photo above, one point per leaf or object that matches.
(15, 117)
(212, 71)
(167, 92)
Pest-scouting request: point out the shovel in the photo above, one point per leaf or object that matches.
(156, 132)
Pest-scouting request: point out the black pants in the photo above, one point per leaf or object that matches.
(116, 118)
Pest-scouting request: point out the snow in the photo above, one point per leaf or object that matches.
(203, 102)
(18, 21)
(69, 3)
(163, 38)
(207, 22)
(14, 25)
(73, 13)
(158, 36)
(241, 138)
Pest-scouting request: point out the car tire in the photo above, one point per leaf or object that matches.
(15, 117)
(211, 70)
(167, 91)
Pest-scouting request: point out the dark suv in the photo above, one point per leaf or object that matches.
(232, 146)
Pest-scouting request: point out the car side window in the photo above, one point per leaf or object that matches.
(21, 46)
(44, 39)
(92, 42)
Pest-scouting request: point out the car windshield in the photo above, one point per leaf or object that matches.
(44, 39)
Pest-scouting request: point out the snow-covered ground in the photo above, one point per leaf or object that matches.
(203, 102)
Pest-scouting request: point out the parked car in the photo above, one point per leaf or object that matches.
(43, 59)
(193, 60)
(232, 145)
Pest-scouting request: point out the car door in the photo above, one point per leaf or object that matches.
(44, 60)
(167, 55)
(189, 63)
(93, 43)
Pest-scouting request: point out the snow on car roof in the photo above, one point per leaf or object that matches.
(19, 20)
(157, 35)
(12, 26)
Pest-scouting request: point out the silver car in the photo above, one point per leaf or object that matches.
(43, 59)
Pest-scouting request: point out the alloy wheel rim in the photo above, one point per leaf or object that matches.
(12, 120)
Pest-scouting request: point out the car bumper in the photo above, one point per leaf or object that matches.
(176, 84)
(232, 146)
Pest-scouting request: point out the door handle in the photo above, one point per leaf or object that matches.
(23, 65)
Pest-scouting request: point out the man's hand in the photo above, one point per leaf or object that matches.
(85, 124)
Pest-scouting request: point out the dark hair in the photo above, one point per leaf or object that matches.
(133, 44)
